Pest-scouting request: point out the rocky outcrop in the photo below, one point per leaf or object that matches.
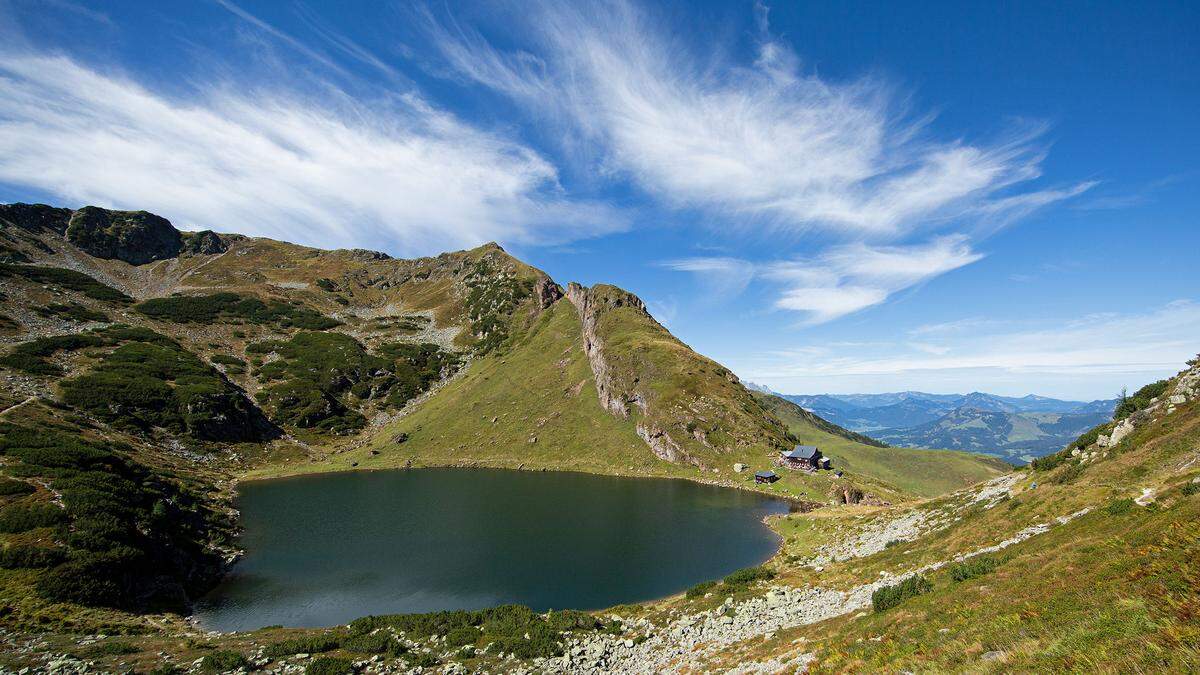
(547, 292)
(661, 444)
(590, 308)
(616, 397)
(35, 217)
(136, 237)
(204, 242)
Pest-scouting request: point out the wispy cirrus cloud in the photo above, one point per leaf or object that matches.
(763, 139)
(317, 166)
(842, 280)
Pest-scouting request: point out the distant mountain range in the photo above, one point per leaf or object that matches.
(1014, 428)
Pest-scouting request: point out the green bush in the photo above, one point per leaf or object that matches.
(17, 556)
(209, 309)
(377, 643)
(20, 518)
(572, 620)
(141, 385)
(749, 575)
(421, 660)
(71, 312)
(329, 665)
(227, 360)
(30, 357)
(1190, 489)
(223, 660)
(66, 279)
(1140, 399)
(315, 371)
(700, 589)
(888, 597)
(135, 539)
(461, 636)
(1119, 507)
(10, 487)
(505, 627)
(305, 645)
(1067, 473)
(974, 567)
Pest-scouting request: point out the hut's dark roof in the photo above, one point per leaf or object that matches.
(802, 452)
(765, 474)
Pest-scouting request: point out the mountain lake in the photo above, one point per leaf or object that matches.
(326, 549)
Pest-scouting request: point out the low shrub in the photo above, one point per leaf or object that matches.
(893, 542)
(749, 575)
(1067, 474)
(11, 488)
(329, 665)
(30, 357)
(20, 518)
(66, 279)
(974, 567)
(71, 311)
(222, 661)
(890, 596)
(504, 627)
(1190, 489)
(18, 556)
(377, 643)
(462, 636)
(227, 360)
(141, 385)
(208, 309)
(421, 660)
(1140, 399)
(134, 538)
(1119, 507)
(572, 619)
(304, 645)
(700, 589)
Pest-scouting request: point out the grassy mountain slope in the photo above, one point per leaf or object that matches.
(1088, 562)
(922, 472)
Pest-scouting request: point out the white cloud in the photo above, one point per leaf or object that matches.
(333, 172)
(1088, 357)
(766, 140)
(842, 280)
(724, 275)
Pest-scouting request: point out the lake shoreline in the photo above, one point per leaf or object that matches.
(603, 540)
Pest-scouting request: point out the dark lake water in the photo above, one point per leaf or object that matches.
(323, 550)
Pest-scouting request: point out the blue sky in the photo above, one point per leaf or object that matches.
(826, 197)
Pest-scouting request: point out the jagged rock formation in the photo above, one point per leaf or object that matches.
(137, 237)
(590, 305)
(617, 398)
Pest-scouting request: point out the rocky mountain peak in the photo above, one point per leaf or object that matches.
(136, 237)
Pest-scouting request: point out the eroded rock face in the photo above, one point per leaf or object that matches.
(547, 292)
(589, 312)
(136, 237)
(614, 398)
(661, 444)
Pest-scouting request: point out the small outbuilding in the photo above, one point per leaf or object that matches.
(766, 477)
(806, 457)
